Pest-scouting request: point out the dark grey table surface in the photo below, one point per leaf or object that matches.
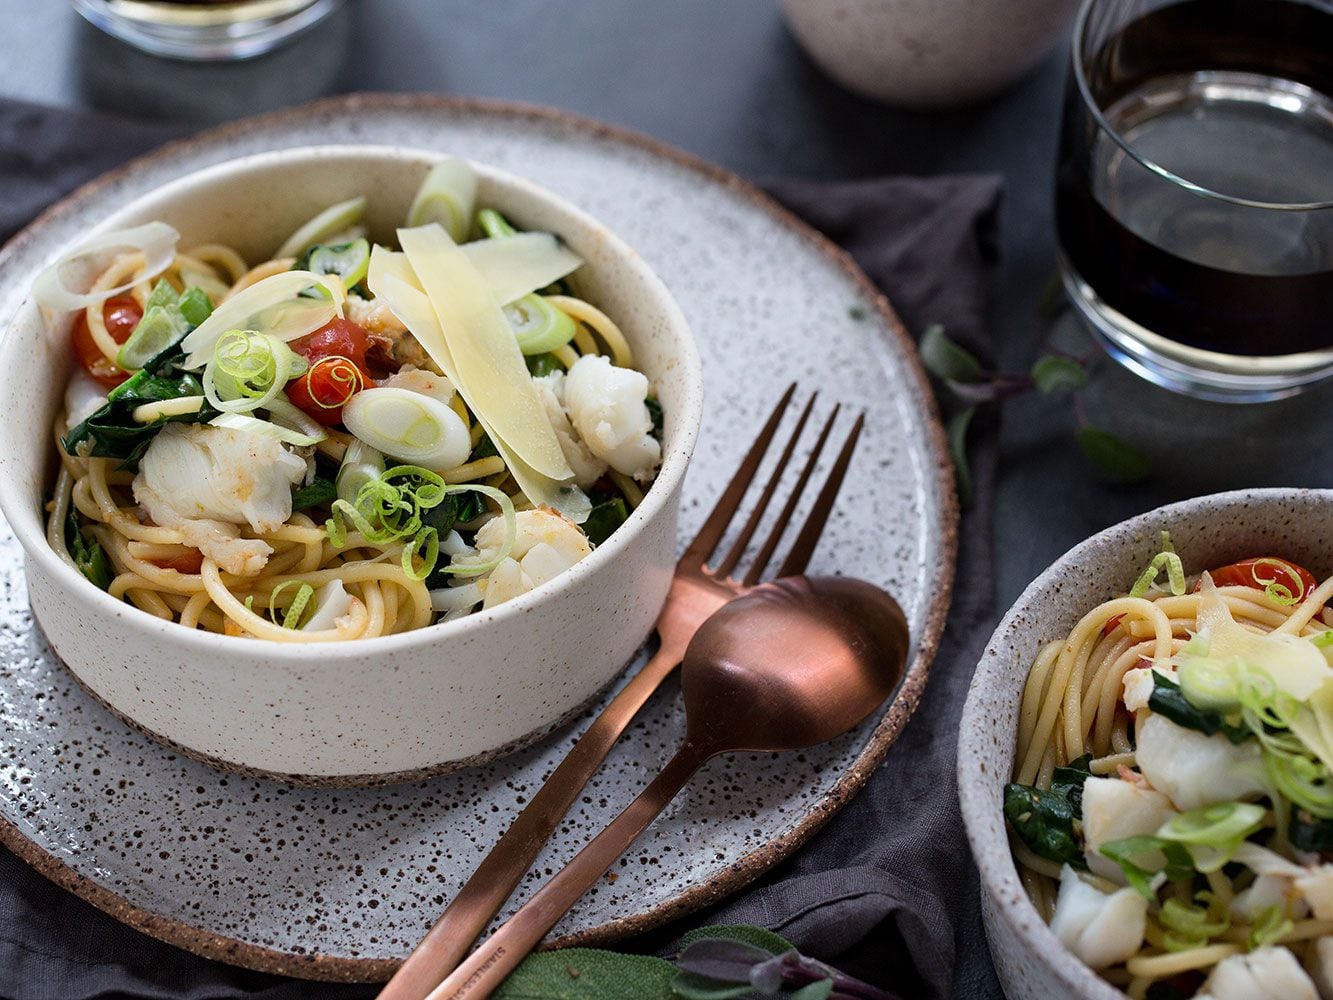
(726, 81)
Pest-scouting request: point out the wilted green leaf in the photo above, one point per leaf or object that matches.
(814, 991)
(744, 933)
(588, 974)
(688, 986)
(1053, 373)
(946, 359)
(1117, 460)
(958, 449)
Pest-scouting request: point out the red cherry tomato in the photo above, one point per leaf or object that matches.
(337, 356)
(189, 563)
(1267, 572)
(121, 315)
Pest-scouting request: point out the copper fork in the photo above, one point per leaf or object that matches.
(697, 590)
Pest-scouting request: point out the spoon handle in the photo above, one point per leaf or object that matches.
(500, 871)
(486, 968)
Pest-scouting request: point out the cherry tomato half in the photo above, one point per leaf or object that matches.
(325, 388)
(121, 315)
(1267, 572)
(337, 337)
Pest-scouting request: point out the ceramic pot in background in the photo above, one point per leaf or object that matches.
(928, 54)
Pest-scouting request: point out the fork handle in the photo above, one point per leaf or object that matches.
(495, 878)
(487, 967)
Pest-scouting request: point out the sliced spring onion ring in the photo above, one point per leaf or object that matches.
(1209, 684)
(63, 287)
(253, 425)
(514, 266)
(1165, 559)
(248, 371)
(349, 261)
(332, 220)
(409, 426)
(283, 412)
(538, 326)
(469, 567)
(446, 196)
(361, 463)
(291, 617)
(271, 307)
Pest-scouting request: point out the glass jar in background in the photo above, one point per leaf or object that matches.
(206, 29)
(1194, 196)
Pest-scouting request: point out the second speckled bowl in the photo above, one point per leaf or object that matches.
(1207, 531)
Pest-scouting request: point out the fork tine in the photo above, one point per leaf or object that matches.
(725, 567)
(775, 533)
(716, 526)
(799, 556)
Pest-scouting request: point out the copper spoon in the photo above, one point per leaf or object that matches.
(790, 665)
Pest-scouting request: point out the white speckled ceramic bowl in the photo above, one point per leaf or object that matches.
(375, 710)
(1207, 531)
(927, 53)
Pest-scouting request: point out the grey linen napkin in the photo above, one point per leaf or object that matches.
(886, 890)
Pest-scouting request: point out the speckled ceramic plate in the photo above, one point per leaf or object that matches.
(341, 884)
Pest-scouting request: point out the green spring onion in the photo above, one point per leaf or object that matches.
(1209, 684)
(1189, 926)
(493, 224)
(349, 261)
(1214, 826)
(161, 326)
(446, 196)
(195, 306)
(1166, 559)
(291, 618)
(361, 464)
(333, 219)
(1278, 593)
(248, 371)
(1147, 862)
(409, 426)
(1323, 640)
(538, 326)
(1270, 927)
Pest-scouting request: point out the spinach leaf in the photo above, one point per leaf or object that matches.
(87, 552)
(543, 364)
(112, 432)
(320, 491)
(655, 414)
(1068, 781)
(1167, 700)
(485, 449)
(604, 519)
(1047, 823)
(1309, 832)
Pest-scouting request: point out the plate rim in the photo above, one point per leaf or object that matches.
(336, 968)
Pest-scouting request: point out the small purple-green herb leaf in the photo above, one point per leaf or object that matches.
(724, 960)
(1053, 373)
(690, 986)
(1117, 460)
(946, 359)
(814, 991)
(958, 426)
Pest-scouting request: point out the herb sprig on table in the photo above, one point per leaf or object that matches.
(973, 386)
(714, 963)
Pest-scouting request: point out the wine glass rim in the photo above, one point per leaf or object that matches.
(1091, 105)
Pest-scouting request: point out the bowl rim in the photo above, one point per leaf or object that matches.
(998, 875)
(671, 473)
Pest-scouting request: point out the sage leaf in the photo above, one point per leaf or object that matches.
(725, 960)
(772, 943)
(958, 426)
(691, 986)
(946, 359)
(588, 974)
(1117, 460)
(1053, 373)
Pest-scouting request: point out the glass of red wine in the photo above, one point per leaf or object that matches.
(1194, 196)
(206, 30)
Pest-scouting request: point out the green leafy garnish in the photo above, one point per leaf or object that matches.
(167, 318)
(1046, 822)
(604, 519)
(1168, 701)
(1068, 779)
(1212, 834)
(655, 415)
(112, 431)
(1270, 927)
(1309, 832)
(1055, 373)
(349, 261)
(1117, 460)
(87, 552)
(543, 364)
(319, 491)
(946, 359)
(1189, 926)
(962, 470)
(1147, 861)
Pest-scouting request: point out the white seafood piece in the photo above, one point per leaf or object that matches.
(1317, 888)
(1138, 685)
(1114, 809)
(588, 468)
(1266, 972)
(1101, 929)
(84, 396)
(1265, 892)
(606, 407)
(546, 544)
(331, 602)
(205, 481)
(422, 380)
(1195, 770)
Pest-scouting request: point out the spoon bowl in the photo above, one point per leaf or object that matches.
(792, 664)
